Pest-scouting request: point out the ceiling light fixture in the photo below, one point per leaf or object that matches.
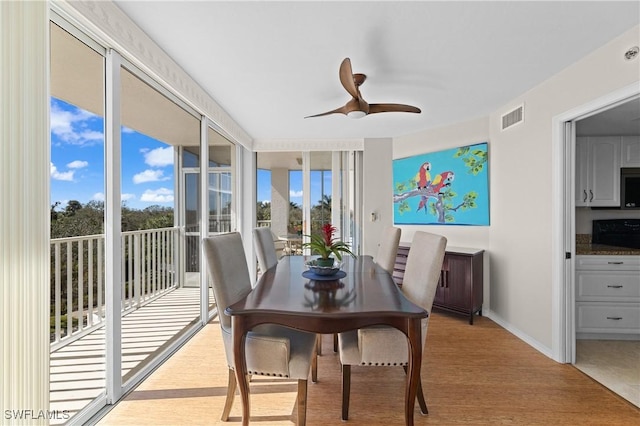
(356, 114)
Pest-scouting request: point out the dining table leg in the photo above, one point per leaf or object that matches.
(239, 335)
(413, 371)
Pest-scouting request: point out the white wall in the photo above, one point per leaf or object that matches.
(377, 191)
(459, 134)
(519, 239)
(521, 185)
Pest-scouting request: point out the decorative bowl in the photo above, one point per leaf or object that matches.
(323, 270)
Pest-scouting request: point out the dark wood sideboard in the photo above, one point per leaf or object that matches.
(461, 279)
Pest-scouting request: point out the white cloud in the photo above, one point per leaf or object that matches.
(71, 126)
(149, 176)
(77, 164)
(295, 194)
(159, 157)
(99, 196)
(162, 195)
(66, 176)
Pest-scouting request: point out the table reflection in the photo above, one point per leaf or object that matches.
(328, 295)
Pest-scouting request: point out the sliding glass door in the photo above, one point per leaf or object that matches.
(221, 204)
(298, 192)
(127, 216)
(77, 185)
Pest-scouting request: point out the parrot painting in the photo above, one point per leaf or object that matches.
(442, 180)
(423, 204)
(423, 177)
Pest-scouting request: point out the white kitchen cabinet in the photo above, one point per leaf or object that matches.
(631, 151)
(607, 297)
(598, 171)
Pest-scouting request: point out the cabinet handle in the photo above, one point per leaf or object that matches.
(585, 195)
(615, 318)
(591, 192)
(615, 263)
(614, 286)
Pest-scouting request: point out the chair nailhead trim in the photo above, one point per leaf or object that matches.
(260, 373)
(385, 363)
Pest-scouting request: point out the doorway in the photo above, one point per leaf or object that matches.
(573, 219)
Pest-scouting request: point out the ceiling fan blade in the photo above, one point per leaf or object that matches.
(341, 110)
(376, 108)
(346, 78)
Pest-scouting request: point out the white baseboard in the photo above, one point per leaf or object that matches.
(518, 333)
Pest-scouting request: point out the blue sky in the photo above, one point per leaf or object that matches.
(77, 164)
(77, 161)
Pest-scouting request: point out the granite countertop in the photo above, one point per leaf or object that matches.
(603, 250)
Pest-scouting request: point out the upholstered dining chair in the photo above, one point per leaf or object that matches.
(388, 248)
(265, 248)
(270, 350)
(385, 257)
(384, 346)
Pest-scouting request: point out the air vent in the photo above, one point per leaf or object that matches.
(513, 117)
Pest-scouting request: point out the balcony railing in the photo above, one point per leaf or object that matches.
(78, 284)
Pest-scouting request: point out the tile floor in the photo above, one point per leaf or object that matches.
(614, 363)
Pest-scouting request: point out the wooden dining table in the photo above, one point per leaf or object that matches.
(365, 296)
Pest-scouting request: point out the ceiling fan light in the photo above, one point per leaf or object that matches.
(356, 114)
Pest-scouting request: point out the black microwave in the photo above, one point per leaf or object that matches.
(630, 187)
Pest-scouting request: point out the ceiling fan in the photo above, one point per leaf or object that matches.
(357, 107)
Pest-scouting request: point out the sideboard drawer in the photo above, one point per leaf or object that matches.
(603, 286)
(608, 317)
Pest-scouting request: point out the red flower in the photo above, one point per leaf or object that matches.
(328, 230)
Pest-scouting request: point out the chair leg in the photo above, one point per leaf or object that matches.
(302, 402)
(346, 388)
(314, 365)
(420, 396)
(319, 344)
(335, 342)
(231, 392)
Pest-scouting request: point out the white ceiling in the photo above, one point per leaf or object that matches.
(270, 64)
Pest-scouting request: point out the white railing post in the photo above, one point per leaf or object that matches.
(90, 283)
(58, 292)
(154, 257)
(101, 284)
(69, 288)
(143, 267)
(80, 284)
(123, 268)
(136, 269)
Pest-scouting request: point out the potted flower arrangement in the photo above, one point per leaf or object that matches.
(325, 245)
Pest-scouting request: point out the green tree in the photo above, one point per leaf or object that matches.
(72, 207)
(263, 210)
(320, 213)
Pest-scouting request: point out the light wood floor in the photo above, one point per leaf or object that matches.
(473, 375)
